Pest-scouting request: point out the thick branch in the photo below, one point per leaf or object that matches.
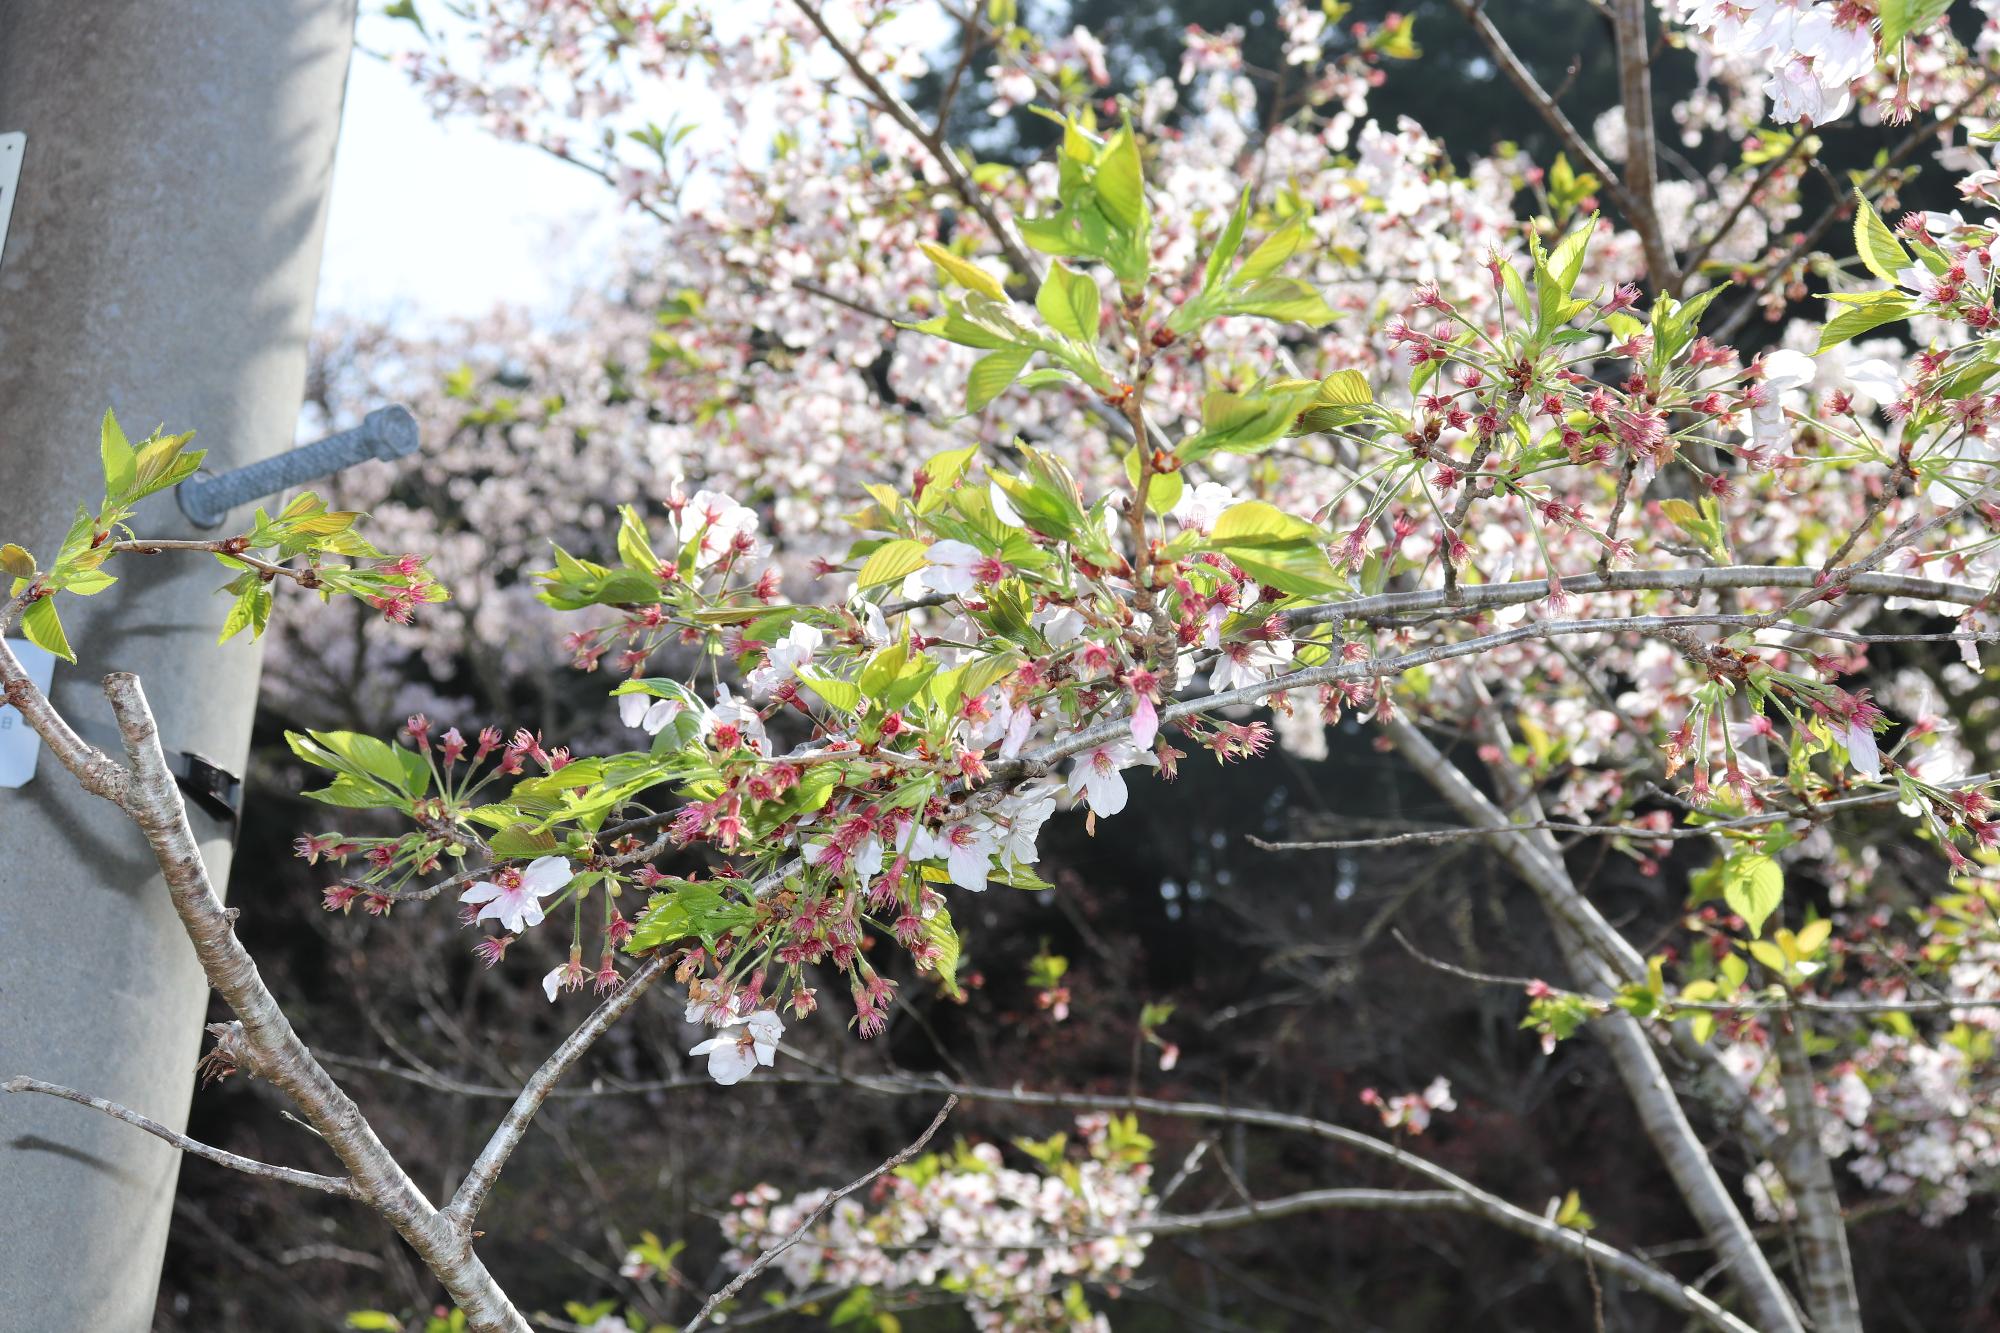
(95, 771)
(1486, 596)
(1524, 81)
(1603, 959)
(311, 1180)
(1635, 91)
(274, 1050)
(1822, 1234)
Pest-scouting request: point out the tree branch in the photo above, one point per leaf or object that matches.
(1636, 1272)
(764, 1260)
(902, 113)
(272, 1048)
(1524, 81)
(1822, 1234)
(311, 1180)
(472, 1191)
(1603, 959)
(1635, 92)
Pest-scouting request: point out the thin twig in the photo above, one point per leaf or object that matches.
(513, 1127)
(764, 1260)
(311, 1180)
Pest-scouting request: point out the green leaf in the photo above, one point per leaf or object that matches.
(1859, 319)
(405, 9)
(121, 460)
(1566, 264)
(992, 373)
(891, 562)
(44, 628)
(843, 695)
(1344, 388)
(521, 840)
(940, 932)
(1246, 422)
(1163, 492)
(1878, 247)
(1753, 885)
(1282, 298)
(251, 610)
(1256, 520)
(1121, 184)
(1227, 244)
(941, 473)
(1274, 547)
(1271, 254)
(375, 1320)
(958, 269)
(1902, 17)
(635, 548)
(1071, 303)
(15, 560)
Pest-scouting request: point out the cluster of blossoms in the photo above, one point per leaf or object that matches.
(1815, 50)
(1019, 1247)
(1411, 1110)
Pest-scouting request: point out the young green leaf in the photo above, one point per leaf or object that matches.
(121, 460)
(891, 562)
(1753, 885)
(44, 628)
(956, 268)
(991, 375)
(1880, 251)
(1071, 304)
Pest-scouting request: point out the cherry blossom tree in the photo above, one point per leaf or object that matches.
(910, 496)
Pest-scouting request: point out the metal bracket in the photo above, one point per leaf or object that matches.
(13, 147)
(386, 433)
(217, 791)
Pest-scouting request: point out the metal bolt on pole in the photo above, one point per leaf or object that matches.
(386, 433)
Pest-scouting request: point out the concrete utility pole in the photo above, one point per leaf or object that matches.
(161, 261)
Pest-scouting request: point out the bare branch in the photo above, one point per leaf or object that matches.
(903, 114)
(1636, 831)
(311, 1180)
(274, 1049)
(1604, 959)
(1636, 1272)
(472, 1191)
(764, 1260)
(1765, 1004)
(1488, 596)
(1821, 1231)
(1524, 81)
(1635, 91)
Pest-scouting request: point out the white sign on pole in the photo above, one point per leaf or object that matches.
(12, 148)
(20, 746)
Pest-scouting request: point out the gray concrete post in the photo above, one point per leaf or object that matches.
(161, 260)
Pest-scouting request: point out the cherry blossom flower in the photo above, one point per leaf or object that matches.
(783, 659)
(966, 846)
(1095, 775)
(953, 567)
(512, 896)
(733, 1055)
(1249, 663)
(647, 713)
